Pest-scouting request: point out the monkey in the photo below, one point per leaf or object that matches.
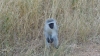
(51, 33)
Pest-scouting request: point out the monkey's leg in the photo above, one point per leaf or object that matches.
(47, 44)
(56, 42)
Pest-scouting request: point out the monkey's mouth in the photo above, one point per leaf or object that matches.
(51, 25)
(49, 40)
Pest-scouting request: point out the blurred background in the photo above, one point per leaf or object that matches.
(22, 22)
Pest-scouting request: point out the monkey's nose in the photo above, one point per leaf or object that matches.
(49, 40)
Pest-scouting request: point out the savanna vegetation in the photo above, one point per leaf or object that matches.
(22, 21)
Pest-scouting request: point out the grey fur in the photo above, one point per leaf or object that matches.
(51, 34)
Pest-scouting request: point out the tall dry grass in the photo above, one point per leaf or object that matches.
(22, 21)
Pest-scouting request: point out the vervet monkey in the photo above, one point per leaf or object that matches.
(51, 32)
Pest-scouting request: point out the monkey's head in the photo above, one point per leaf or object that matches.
(51, 23)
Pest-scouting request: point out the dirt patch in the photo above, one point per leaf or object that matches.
(88, 49)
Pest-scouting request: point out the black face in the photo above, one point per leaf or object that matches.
(51, 25)
(50, 40)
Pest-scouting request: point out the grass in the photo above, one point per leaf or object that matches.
(22, 21)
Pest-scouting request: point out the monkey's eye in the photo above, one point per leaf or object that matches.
(51, 25)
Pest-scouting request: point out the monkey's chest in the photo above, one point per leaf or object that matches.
(50, 31)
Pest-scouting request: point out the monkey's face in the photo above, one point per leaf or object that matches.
(51, 25)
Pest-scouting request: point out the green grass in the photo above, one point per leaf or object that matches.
(22, 21)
